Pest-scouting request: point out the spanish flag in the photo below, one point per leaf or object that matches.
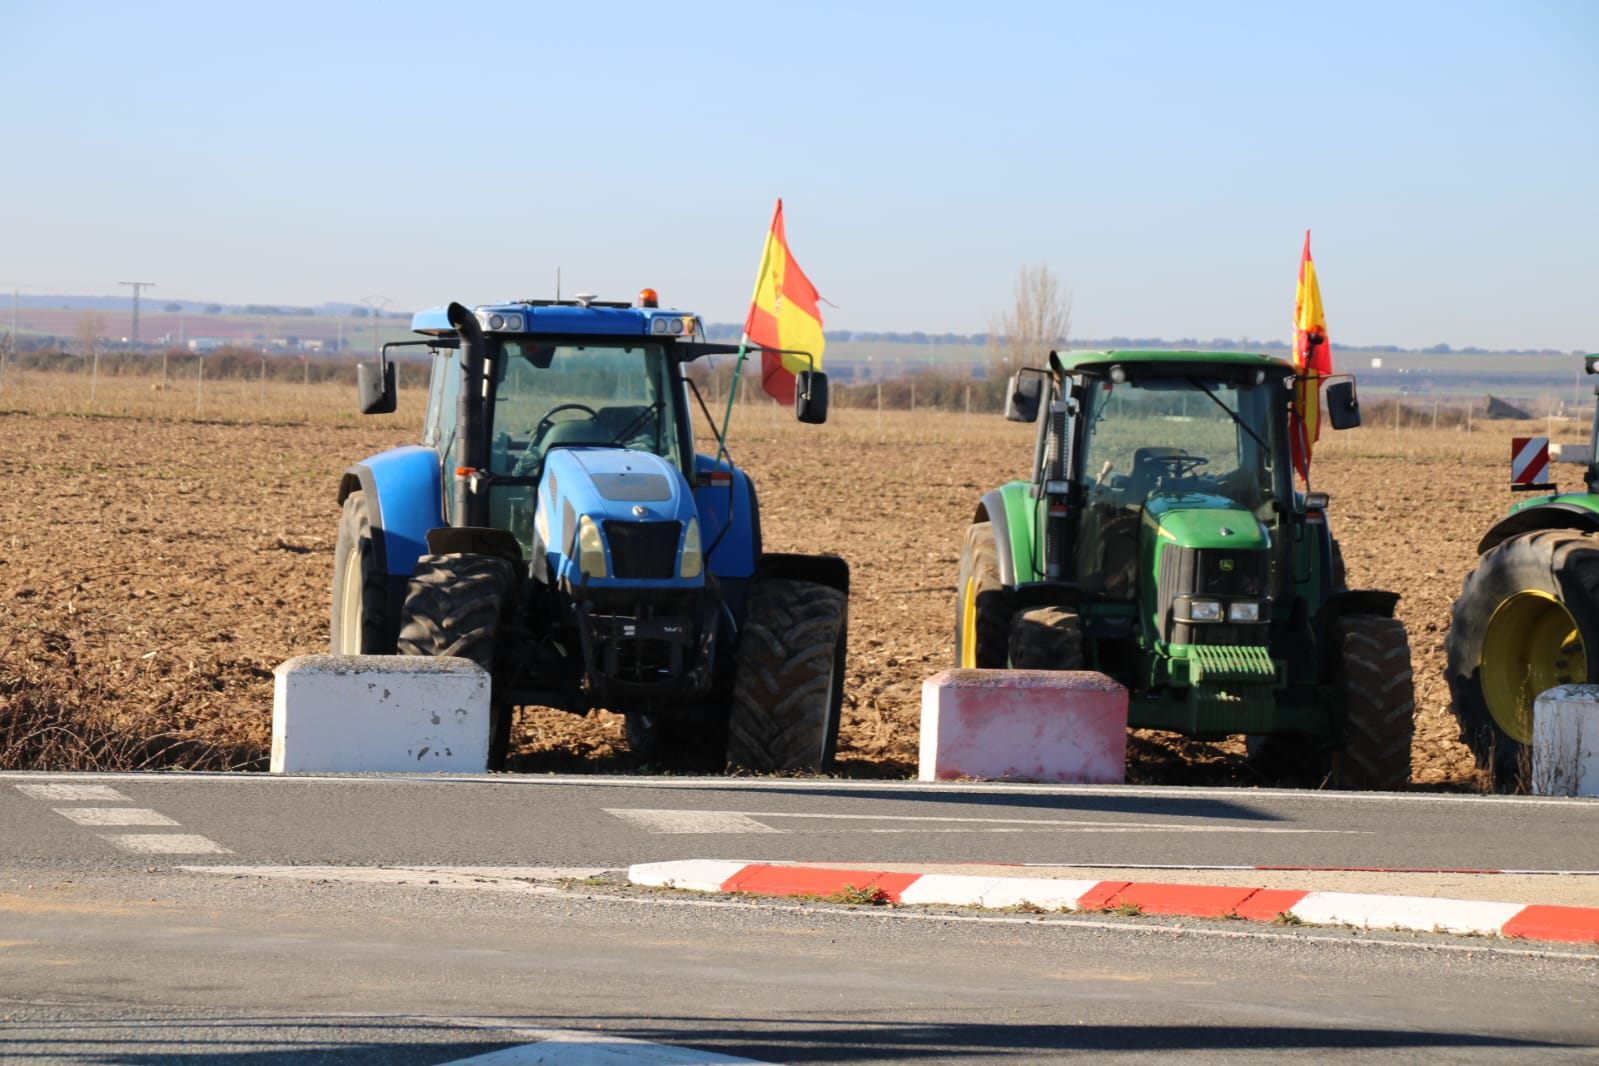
(1312, 360)
(783, 314)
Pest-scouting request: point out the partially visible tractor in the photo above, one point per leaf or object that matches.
(557, 526)
(1159, 538)
(1527, 618)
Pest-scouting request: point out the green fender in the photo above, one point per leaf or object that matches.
(1010, 509)
(1574, 510)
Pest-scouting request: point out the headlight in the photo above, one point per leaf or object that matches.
(513, 322)
(590, 549)
(693, 560)
(1204, 610)
(1243, 611)
(657, 325)
(496, 321)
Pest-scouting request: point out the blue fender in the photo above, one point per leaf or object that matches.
(729, 518)
(404, 499)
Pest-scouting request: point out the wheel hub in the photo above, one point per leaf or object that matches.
(1531, 644)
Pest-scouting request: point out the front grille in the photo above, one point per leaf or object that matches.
(643, 550)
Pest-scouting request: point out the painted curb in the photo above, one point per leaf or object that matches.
(1425, 914)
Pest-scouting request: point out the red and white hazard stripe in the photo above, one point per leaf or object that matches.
(1529, 460)
(1363, 910)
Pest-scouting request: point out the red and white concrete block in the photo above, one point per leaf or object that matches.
(1057, 726)
(379, 713)
(1365, 911)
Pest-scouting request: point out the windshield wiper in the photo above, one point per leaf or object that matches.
(1245, 426)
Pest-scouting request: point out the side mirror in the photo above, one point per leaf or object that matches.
(1023, 398)
(374, 384)
(810, 397)
(1343, 407)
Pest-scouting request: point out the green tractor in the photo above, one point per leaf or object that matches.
(1527, 618)
(1161, 541)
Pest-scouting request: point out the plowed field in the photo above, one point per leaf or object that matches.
(155, 566)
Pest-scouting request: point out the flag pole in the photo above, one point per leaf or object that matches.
(744, 340)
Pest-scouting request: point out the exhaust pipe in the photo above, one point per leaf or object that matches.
(471, 508)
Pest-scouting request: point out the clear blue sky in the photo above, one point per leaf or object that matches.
(1164, 159)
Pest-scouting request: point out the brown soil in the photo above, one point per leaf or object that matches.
(153, 571)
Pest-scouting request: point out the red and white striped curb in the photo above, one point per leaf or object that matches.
(1367, 911)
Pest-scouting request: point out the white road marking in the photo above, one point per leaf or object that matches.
(571, 1047)
(104, 793)
(690, 821)
(535, 880)
(653, 821)
(167, 844)
(114, 816)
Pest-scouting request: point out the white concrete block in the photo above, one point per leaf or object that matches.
(1065, 726)
(380, 713)
(1565, 741)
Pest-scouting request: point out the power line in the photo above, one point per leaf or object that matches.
(133, 332)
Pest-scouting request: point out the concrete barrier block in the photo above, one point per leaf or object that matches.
(1565, 742)
(1062, 726)
(379, 713)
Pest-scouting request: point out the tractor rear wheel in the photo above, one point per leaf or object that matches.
(788, 680)
(1046, 638)
(1379, 696)
(454, 606)
(982, 610)
(1527, 620)
(361, 623)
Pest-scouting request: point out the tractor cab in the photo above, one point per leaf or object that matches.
(1157, 439)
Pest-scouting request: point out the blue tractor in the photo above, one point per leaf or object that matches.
(557, 526)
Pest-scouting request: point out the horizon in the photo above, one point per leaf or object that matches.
(1164, 162)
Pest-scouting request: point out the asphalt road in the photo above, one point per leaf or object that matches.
(121, 941)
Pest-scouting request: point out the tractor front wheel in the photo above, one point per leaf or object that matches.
(788, 684)
(1046, 638)
(982, 613)
(454, 606)
(1379, 697)
(1376, 698)
(361, 622)
(1527, 620)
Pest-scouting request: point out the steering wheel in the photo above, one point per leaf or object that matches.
(1177, 467)
(548, 421)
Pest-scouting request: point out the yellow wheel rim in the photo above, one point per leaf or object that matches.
(1531, 644)
(968, 648)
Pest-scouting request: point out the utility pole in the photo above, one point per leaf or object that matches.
(133, 332)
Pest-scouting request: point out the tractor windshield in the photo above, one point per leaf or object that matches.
(549, 396)
(1170, 434)
(1183, 435)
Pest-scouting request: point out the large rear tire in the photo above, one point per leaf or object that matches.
(982, 610)
(1527, 620)
(1379, 696)
(788, 684)
(361, 622)
(454, 606)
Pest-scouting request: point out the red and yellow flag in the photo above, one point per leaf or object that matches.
(1312, 359)
(784, 313)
